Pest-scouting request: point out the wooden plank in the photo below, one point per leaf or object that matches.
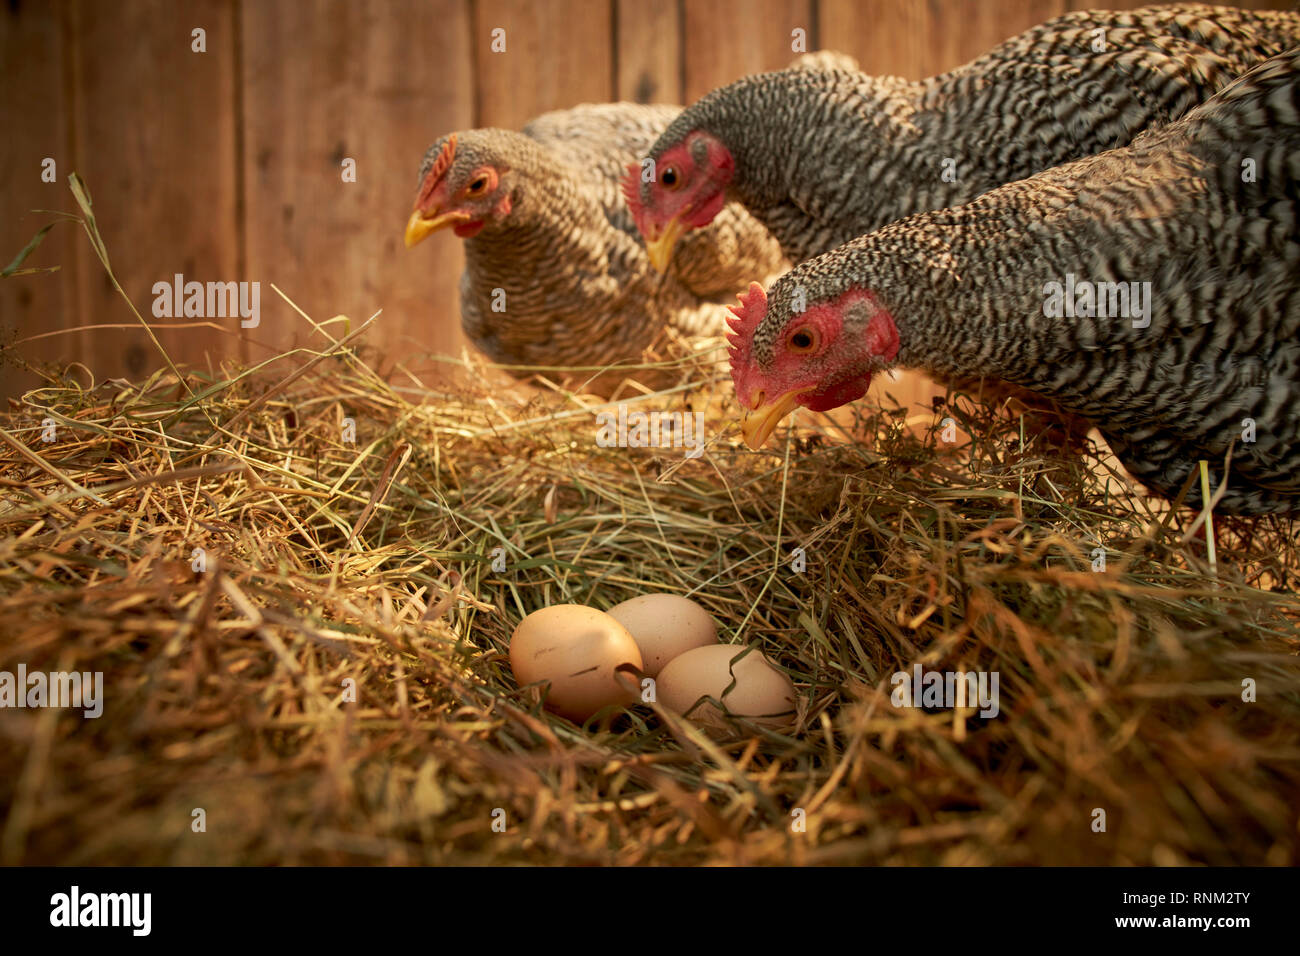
(727, 39)
(648, 51)
(35, 118)
(957, 31)
(375, 82)
(557, 54)
(155, 143)
(885, 36)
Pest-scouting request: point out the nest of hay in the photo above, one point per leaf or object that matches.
(290, 580)
(330, 557)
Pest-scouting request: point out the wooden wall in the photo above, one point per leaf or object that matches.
(226, 165)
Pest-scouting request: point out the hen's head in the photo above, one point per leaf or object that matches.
(463, 184)
(684, 189)
(792, 349)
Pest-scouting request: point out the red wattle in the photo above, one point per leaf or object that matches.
(841, 393)
(701, 216)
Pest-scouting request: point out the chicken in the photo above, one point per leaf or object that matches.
(1153, 289)
(555, 273)
(824, 156)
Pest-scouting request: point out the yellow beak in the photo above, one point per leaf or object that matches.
(759, 423)
(661, 249)
(419, 227)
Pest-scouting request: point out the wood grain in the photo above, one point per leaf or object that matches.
(885, 36)
(375, 82)
(648, 50)
(727, 39)
(558, 54)
(155, 143)
(34, 113)
(957, 31)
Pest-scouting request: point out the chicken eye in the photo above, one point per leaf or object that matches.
(803, 340)
(671, 178)
(478, 185)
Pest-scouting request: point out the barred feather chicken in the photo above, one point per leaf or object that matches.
(555, 272)
(824, 156)
(1154, 290)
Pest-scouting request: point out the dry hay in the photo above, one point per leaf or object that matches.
(326, 560)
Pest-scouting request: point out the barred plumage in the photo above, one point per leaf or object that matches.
(822, 157)
(1205, 210)
(556, 274)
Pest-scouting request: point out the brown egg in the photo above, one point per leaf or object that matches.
(576, 649)
(762, 693)
(664, 626)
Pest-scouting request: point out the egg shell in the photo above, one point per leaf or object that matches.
(762, 693)
(576, 649)
(665, 626)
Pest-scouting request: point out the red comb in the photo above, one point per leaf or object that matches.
(743, 321)
(632, 190)
(437, 171)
